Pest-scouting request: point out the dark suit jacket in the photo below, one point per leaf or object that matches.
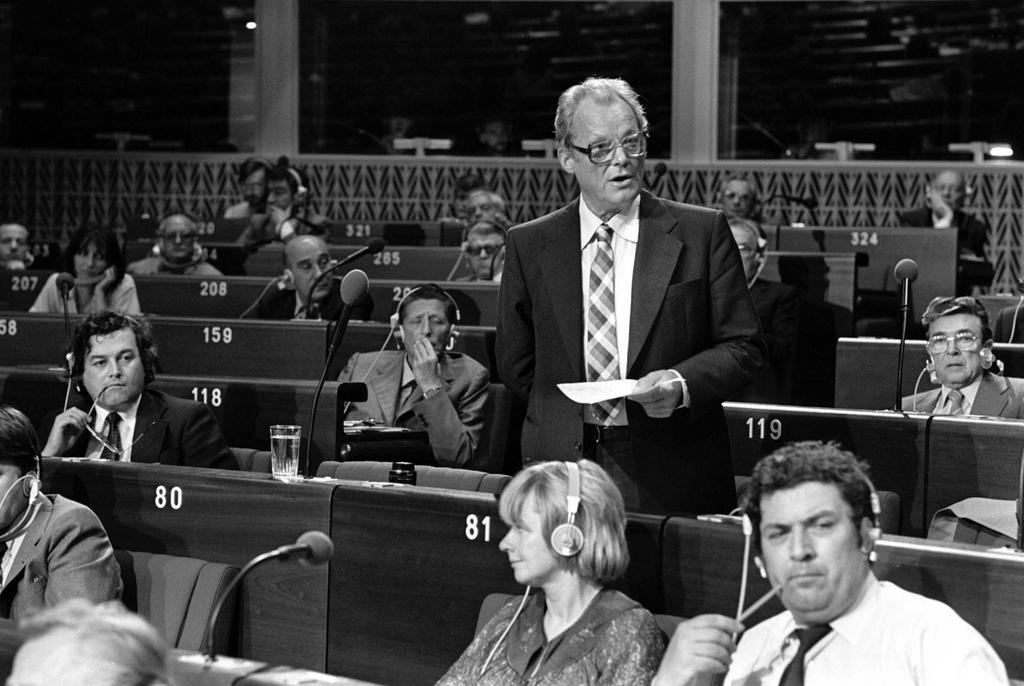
(998, 396)
(778, 309)
(174, 431)
(690, 311)
(971, 235)
(453, 420)
(1003, 325)
(65, 554)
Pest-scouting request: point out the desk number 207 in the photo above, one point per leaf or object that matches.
(475, 526)
(761, 428)
(168, 497)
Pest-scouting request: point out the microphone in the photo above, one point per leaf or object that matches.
(905, 273)
(312, 548)
(373, 246)
(354, 288)
(65, 282)
(660, 169)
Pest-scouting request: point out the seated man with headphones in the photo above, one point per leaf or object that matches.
(812, 513)
(177, 250)
(53, 548)
(300, 292)
(424, 386)
(567, 539)
(959, 345)
(113, 360)
(288, 211)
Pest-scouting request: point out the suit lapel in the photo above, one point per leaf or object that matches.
(657, 254)
(150, 426)
(31, 541)
(562, 276)
(385, 383)
(992, 396)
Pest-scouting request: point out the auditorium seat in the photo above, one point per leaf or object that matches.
(176, 595)
(434, 477)
(252, 460)
(888, 501)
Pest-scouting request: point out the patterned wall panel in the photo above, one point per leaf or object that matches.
(53, 192)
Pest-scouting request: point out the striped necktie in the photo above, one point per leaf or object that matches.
(954, 403)
(113, 438)
(602, 343)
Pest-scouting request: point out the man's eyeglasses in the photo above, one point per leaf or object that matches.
(964, 341)
(634, 145)
(483, 250)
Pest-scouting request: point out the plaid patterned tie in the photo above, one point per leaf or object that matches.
(113, 438)
(955, 403)
(602, 343)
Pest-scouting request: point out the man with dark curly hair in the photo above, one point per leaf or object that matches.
(119, 418)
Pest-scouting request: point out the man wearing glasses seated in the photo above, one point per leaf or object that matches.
(959, 345)
(485, 250)
(177, 250)
(118, 417)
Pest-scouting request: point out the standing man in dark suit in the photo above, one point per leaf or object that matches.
(944, 201)
(621, 284)
(778, 308)
(119, 418)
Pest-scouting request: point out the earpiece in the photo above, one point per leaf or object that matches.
(299, 188)
(760, 567)
(987, 358)
(31, 488)
(567, 539)
(396, 329)
(287, 279)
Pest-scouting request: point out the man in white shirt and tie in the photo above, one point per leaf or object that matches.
(814, 517)
(960, 357)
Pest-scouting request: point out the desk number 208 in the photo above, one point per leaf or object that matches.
(168, 497)
(475, 526)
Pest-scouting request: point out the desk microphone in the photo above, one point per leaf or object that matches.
(905, 273)
(660, 169)
(354, 288)
(65, 284)
(312, 548)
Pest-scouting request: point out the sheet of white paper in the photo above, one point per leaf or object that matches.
(589, 392)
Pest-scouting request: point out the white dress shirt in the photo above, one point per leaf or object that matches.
(890, 637)
(126, 430)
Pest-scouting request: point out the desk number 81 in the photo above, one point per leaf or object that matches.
(475, 524)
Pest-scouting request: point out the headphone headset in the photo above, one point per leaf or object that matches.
(567, 539)
(396, 325)
(300, 189)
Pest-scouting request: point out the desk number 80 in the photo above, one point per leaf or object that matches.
(475, 524)
(168, 497)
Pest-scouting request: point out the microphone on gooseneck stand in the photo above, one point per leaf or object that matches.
(660, 169)
(354, 288)
(905, 273)
(312, 548)
(372, 247)
(65, 285)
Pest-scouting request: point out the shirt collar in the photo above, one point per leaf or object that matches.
(127, 415)
(625, 224)
(407, 375)
(855, 622)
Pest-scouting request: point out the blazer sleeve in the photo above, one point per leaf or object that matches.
(202, 441)
(454, 420)
(737, 349)
(515, 344)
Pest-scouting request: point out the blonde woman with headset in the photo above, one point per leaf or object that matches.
(566, 539)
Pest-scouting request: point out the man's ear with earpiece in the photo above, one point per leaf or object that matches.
(396, 329)
(287, 279)
(760, 567)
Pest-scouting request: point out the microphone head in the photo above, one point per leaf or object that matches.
(660, 168)
(906, 270)
(321, 549)
(65, 282)
(354, 287)
(810, 203)
(375, 244)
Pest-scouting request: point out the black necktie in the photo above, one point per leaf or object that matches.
(794, 673)
(112, 451)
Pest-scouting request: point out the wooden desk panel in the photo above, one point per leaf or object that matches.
(196, 296)
(412, 263)
(973, 456)
(19, 289)
(866, 370)
(934, 251)
(893, 444)
(222, 517)
(409, 579)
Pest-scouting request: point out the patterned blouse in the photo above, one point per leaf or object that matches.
(615, 642)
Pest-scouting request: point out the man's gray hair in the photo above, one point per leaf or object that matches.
(600, 90)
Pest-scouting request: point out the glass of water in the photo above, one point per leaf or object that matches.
(285, 440)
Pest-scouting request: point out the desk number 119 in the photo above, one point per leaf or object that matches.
(758, 428)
